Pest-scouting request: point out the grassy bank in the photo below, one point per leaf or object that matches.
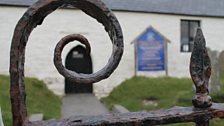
(39, 99)
(161, 92)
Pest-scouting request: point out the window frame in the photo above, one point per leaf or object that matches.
(189, 37)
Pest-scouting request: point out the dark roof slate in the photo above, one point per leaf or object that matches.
(214, 8)
(17, 2)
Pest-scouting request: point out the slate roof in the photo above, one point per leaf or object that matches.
(17, 2)
(213, 8)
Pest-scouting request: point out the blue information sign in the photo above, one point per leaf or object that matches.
(150, 51)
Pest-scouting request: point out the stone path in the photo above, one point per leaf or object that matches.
(82, 104)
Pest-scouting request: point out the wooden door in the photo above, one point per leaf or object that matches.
(77, 60)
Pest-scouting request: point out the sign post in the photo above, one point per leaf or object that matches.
(151, 52)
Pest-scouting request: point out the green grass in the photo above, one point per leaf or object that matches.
(39, 99)
(168, 92)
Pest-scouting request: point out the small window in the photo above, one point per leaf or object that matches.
(188, 31)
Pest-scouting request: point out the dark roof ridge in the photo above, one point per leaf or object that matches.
(208, 8)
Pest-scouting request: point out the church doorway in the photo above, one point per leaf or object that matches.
(77, 60)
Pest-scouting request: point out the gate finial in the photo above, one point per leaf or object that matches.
(200, 70)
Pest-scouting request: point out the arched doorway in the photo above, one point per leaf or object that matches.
(77, 60)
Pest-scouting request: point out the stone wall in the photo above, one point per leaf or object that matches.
(221, 62)
(1, 120)
(214, 82)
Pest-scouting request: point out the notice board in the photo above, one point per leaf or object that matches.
(151, 51)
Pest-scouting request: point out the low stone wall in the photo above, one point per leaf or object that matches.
(1, 121)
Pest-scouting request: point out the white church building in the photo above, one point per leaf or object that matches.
(175, 20)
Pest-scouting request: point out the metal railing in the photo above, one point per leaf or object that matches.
(201, 112)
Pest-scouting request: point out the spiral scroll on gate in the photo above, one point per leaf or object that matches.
(34, 16)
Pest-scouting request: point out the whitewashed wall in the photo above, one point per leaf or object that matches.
(39, 53)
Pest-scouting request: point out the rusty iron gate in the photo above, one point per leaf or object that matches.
(201, 112)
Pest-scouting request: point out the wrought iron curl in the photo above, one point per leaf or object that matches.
(73, 76)
(34, 16)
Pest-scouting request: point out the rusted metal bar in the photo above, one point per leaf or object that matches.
(202, 123)
(34, 16)
(173, 115)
